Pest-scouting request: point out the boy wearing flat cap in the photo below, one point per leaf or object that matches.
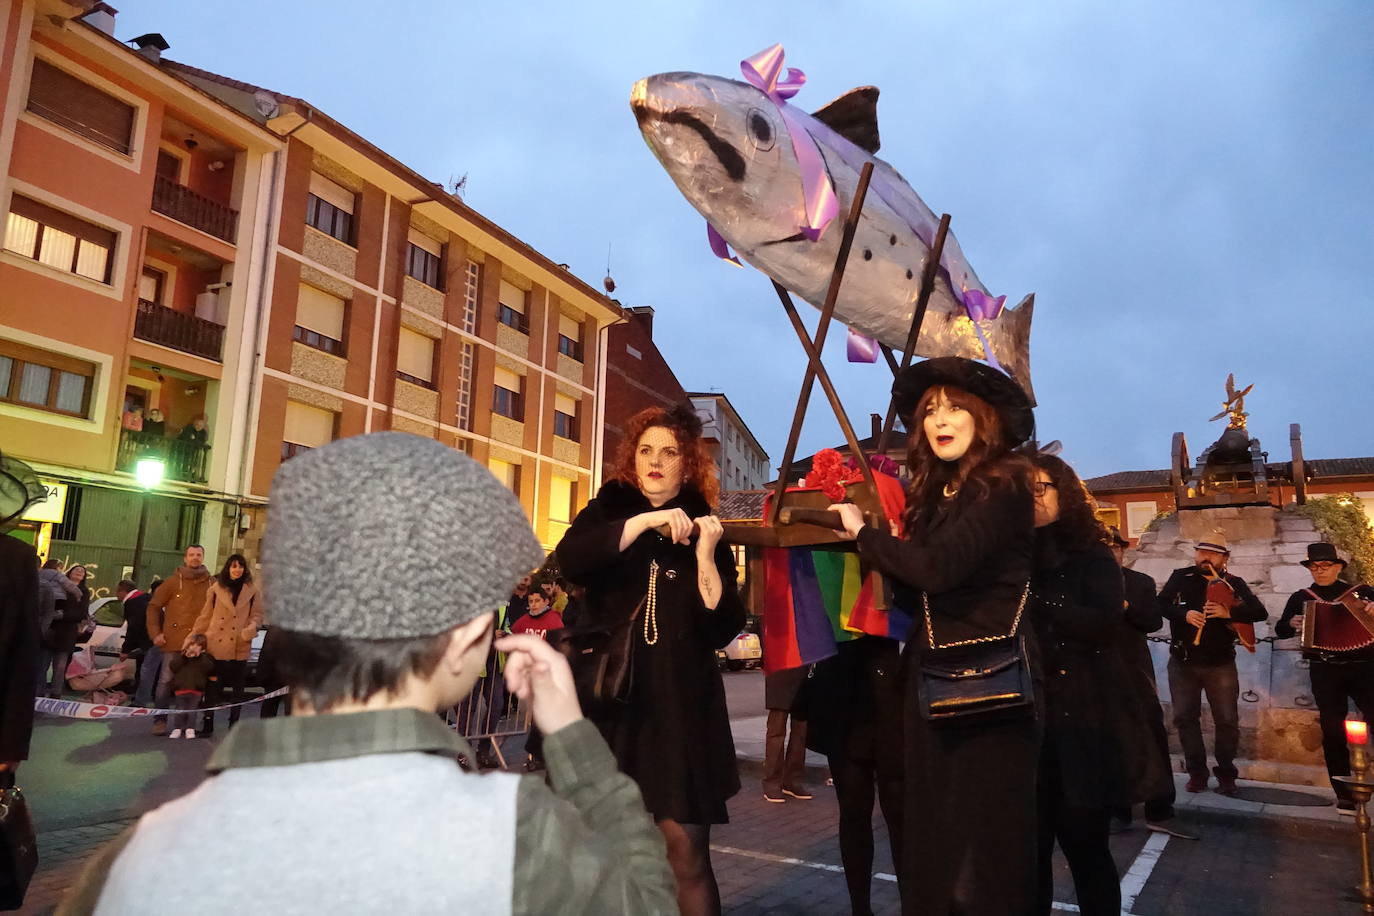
(1339, 650)
(385, 557)
(1202, 658)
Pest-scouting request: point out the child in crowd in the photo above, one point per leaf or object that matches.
(191, 672)
(540, 619)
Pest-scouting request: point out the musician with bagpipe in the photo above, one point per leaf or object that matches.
(1208, 610)
(1336, 622)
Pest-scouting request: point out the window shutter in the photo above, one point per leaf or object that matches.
(569, 327)
(309, 426)
(422, 241)
(59, 97)
(564, 404)
(513, 296)
(416, 356)
(320, 312)
(332, 192)
(560, 498)
(508, 380)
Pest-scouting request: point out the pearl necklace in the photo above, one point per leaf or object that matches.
(651, 606)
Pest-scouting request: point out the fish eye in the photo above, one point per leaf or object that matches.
(760, 130)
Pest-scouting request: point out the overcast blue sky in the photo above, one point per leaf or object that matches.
(1188, 188)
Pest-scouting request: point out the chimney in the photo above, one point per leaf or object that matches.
(644, 316)
(877, 423)
(151, 46)
(101, 17)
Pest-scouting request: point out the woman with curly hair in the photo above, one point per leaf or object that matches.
(649, 543)
(1077, 602)
(962, 565)
(229, 621)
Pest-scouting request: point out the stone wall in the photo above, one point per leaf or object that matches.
(1280, 739)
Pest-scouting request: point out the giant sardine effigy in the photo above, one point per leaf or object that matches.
(769, 177)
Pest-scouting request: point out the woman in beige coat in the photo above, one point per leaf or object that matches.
(229, 622)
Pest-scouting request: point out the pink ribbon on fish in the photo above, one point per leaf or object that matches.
(762, 71)
(982, 307)
(861, 349)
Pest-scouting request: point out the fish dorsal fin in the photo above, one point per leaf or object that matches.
(854, 116)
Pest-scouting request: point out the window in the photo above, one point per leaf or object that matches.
(58, 240)
(329, 208)
(565, 417)
(472, 284)
(168, 166)
(506, 397)
(57, 96)
(319, 320)
(47, 381)
(425, 259)
(506, 472)
(561, 491)
(465, 388)
(151, 284)
(1138, 517)
(570, 337)
(415, 358)
(512, 308)
(307, 427)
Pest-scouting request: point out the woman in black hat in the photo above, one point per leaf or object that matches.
(1340, 654)
(966, 552)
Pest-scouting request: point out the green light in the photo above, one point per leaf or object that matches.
(148, 471)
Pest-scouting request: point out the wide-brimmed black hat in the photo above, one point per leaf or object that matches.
(1322, 552)
(997, 388)
(19, 489)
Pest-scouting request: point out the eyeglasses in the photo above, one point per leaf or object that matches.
(1040, 486)
(1322, 564)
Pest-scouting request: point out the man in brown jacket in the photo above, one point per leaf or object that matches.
(172, 615)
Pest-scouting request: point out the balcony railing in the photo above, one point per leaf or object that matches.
(178, 330)
(185, 461)
(195, 210)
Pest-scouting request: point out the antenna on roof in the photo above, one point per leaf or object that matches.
(457, 187)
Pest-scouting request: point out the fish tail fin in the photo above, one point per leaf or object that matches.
(1009, 336)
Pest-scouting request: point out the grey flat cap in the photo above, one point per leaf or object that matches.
(390, 535)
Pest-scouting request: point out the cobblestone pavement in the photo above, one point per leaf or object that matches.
(61, 855)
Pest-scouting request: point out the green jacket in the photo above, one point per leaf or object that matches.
(586, 845)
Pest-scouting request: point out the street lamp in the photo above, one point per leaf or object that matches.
(148, 473)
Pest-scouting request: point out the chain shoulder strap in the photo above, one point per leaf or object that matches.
(1015, 625)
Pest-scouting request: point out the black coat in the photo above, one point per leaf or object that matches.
(63, 633)
(18, 646)
(1147, 771)
(1077, 610)
(673, 736)
(857, 693)
(1186, 591)
(136, 638)
(974, 557)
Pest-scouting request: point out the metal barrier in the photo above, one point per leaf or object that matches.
(490, 714)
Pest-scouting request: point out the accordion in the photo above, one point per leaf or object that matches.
(1342, 625)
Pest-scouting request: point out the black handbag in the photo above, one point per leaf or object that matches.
(18, 845)
(602, 657)
(976, 679)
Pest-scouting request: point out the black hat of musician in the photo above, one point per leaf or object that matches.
(997, 388)
(1322, 552)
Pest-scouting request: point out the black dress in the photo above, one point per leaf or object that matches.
(969, 790)
(673, 735)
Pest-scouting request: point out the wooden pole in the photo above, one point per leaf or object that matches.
(922, 301)
(851, 225)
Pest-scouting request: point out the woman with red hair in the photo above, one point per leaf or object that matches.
(648, 548)
(963, 567)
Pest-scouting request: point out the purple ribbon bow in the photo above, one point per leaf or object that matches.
(762, 71)
(982, 307)
(861, 349)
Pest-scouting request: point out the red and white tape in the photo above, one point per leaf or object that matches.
(72, 709)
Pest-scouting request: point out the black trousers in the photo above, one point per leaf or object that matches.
(870, 764)
(228, 675)
(1084, 836)
(1334, 685)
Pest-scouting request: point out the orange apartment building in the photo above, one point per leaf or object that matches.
(182, 241)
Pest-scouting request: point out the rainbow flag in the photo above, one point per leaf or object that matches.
(814, 599)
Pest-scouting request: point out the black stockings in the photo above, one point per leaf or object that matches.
(689, 855)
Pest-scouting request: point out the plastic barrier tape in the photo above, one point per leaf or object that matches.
(72, 709)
